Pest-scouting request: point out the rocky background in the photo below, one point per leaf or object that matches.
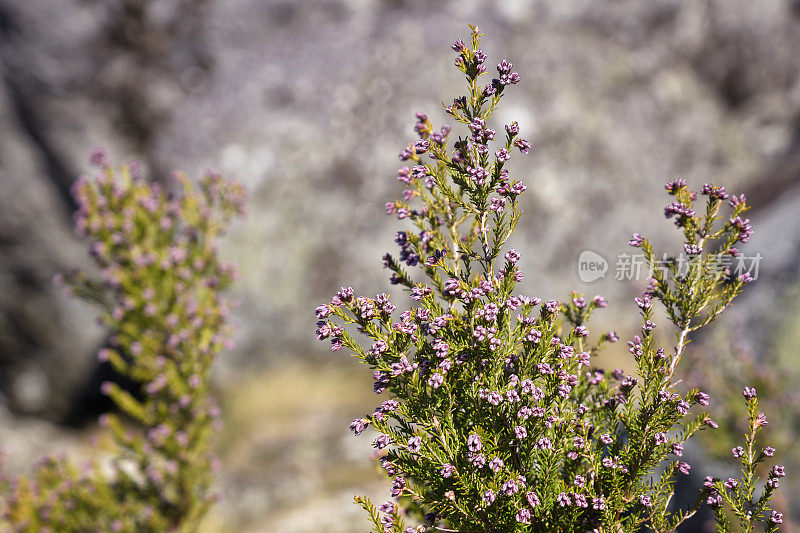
(308, 103)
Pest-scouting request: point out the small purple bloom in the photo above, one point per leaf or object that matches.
(474, 443)
(358, 425)
(636, 240)
(533, 499)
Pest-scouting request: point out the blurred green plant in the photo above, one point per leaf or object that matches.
(160, 294)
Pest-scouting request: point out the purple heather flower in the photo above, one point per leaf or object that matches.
(692, 249)
(563, 499)
(512, 256)
(502, 155)
(421, 146)
(523, 516)
(378, 348)
(435, 380)
(683, 467)
(714, 501)
(678, 209)
(510, 487)
(474, 443)
(769, 451)
(645, 500)
(382, 441)
(636, 240)
(496, 464)
(533, 336)
(731, 483)
(533, 499)
(358, 425)
(605, 438)
(598, 504)
(778, 471)
(497, 204)
(677, 449)
(611, 336)
(675, 185)
(736, 201)
(414, 444)
(520, 432)
(477, 460)
(714, 192)
(749, 393)
(106, 388)
(489, 497)
(345, 294)
(745, 231)
(661, 438)
(99, 158)
(702, 398)
(523, 145)
(447, 470)
(776, 517)
(512, 129)
(398, 486)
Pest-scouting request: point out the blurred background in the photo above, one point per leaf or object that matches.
(308, 104)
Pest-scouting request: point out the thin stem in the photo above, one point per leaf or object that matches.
(678, 352)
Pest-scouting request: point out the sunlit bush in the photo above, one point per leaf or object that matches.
(497, 418)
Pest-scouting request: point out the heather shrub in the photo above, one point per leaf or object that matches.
(159, 292)
(497, 418)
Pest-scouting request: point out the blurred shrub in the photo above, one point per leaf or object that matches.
(159, 293)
